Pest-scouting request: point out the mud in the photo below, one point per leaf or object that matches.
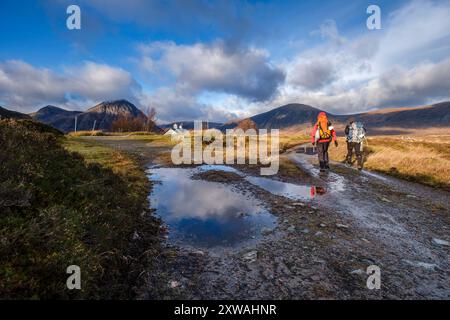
(322, 246)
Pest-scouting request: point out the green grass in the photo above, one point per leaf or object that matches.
(59, 208)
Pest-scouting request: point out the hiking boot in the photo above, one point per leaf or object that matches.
(322, 166)
(327, 166)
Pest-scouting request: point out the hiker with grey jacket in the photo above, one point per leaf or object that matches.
(356, 135)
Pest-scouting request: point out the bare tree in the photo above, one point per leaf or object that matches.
(150, 124)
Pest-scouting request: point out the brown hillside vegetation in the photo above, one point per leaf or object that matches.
(423, 159)
(58, 210)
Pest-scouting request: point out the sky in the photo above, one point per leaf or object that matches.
(221, 60)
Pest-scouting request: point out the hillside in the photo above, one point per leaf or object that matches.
(58, 209)
(9, 114)
(437, 115)
(301, 116)
(61, 119)
(101, 115)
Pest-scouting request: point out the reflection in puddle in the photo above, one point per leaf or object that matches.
(285, 189)
(204, 213)
(218, 167)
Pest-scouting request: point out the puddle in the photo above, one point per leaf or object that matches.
(206, 214)
(218, 167)
(288, 190)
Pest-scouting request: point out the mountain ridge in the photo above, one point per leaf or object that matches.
(293, 116)
(6, 113)
(304, 116)
(99, 117)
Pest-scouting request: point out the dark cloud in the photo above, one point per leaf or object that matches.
(245, 72)
(313, 74)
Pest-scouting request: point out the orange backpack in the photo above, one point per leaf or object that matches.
(322, 126)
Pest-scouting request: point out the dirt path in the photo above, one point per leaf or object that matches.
(321, 247)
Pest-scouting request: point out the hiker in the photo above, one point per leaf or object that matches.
(322, 134)
(356, 134)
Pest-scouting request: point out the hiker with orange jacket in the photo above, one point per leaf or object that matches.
(322, 135)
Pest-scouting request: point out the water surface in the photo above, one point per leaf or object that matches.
(204, 213)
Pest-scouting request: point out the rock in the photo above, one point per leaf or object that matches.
(250, 257)
(425, 265)
(283, 269)
(299, 204)
(341, 226)
(174, 284)
(306, 230)
(198, 253)
(286, 221)
(291, 229)
(322, 225)
(411, 196)
(268, 274)
(315, 278)
(318, 233)
(311, 212)
(266, 231)
(440, 242)
(136, 235)
(357, 271)
(385, 200)
(314, 207)
(365, 240)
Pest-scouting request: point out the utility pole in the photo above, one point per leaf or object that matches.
(76, 119)
(93, 128)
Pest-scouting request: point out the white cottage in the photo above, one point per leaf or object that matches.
(177, 132)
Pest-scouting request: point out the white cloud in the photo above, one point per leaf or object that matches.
(25, 87)
(311, 74)
(420, 30)
(245, 72)
(404, 64)
(329, 30)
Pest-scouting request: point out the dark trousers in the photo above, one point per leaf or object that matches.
(357, 147)
(322, 151)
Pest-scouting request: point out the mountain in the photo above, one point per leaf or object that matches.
(105, 113)
(5, 113)
(300, 116)
(102, 116)
(436, 115)
(288, 116)
(61, 119)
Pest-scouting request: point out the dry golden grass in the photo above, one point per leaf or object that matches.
(86, 133)
(291, 140)
(420, 159)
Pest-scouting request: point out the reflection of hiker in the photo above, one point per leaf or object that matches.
(356, 134)
(322, 134)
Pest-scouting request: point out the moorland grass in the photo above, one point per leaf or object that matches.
(59, 208)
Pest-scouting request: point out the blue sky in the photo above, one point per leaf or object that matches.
(218, 60)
